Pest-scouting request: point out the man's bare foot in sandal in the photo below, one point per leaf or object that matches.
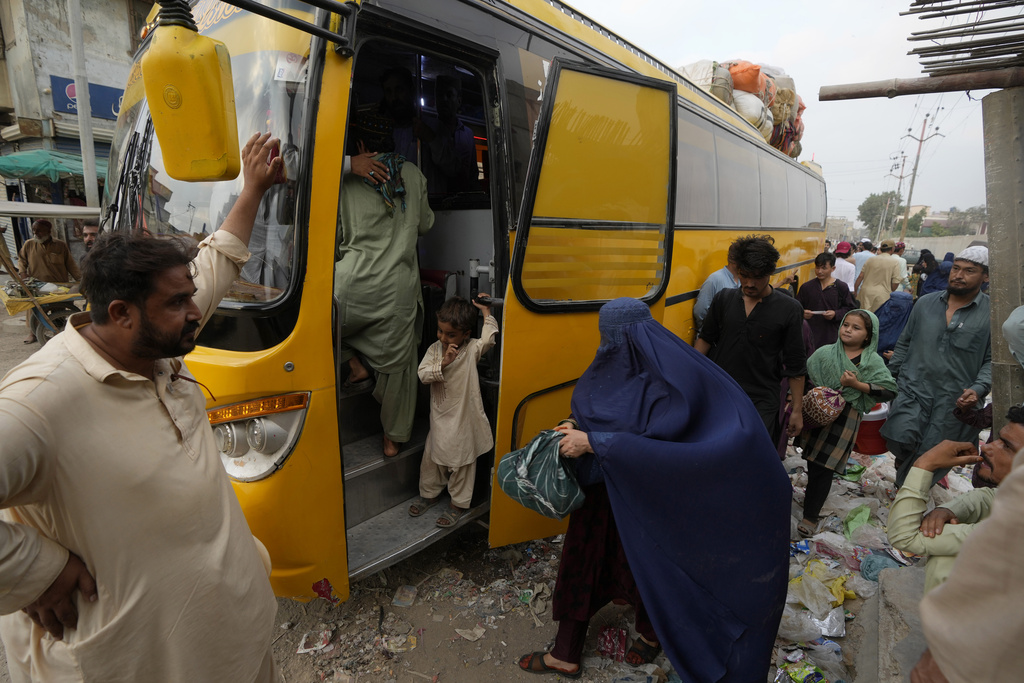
(544, 663)
(357, 372)
(806, 528)
(450, 517)
(390, 448)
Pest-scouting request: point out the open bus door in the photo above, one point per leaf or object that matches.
(596, 224)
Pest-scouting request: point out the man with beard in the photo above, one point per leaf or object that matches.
(126, 555)
(972, 621)
(450, 163)
(912, 531)
(399, 104)
(46, 259)
(755, 334)
(90, 231)
(942, 360)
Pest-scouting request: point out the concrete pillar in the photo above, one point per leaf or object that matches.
(1003, 114)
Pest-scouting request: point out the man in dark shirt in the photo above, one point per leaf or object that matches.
(752, 331)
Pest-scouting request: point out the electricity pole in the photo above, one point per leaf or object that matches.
(899, 191)
(913, 174)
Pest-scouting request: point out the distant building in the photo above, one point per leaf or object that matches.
(838, 228)
(38, 103)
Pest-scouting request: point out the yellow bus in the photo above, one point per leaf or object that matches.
(597, 172)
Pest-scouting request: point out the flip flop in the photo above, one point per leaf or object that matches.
(804, 530)
(642, 653)
(533, 663)
(421, 505)
(449, 517)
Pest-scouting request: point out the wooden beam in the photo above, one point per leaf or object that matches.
(894, 87)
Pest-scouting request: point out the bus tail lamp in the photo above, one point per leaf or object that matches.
(256, 437)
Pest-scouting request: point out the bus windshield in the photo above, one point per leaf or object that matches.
(271, 88)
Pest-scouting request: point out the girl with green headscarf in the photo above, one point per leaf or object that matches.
(852, 367)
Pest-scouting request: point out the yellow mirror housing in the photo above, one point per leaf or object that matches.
(191, 98)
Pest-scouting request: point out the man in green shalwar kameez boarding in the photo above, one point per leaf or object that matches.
(376, 277)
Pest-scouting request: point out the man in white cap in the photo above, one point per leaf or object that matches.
(943, 360)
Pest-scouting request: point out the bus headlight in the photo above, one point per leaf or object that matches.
(230, 438)
(256, 437)
(264, 435)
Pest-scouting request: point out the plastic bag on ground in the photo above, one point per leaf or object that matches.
(861, 586)
(793, 463)
(835, 545)
(843, 505)
(857, 517)
(869, 536)
(812, 594)
(828, 656)
(833, 624)
(871, 565)
(798, 625)
(822, 572)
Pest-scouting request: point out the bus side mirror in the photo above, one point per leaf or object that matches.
(191, 98)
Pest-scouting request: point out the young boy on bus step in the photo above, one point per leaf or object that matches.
(459, 430)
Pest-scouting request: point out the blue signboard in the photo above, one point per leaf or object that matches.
(104, 101)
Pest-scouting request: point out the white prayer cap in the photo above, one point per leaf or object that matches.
(976, 254)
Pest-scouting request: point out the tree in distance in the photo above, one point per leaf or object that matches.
(870, 210)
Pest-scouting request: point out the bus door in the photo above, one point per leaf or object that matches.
(595, 225)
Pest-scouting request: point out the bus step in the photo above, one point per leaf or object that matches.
(374, 483)
(393, 535)
(361, 416)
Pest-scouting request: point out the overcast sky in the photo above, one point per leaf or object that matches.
(829, 42)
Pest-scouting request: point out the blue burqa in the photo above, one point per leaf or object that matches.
(699, 496)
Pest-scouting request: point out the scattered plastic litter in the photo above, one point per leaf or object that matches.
(611, 643)
(873, 564)
(833, 625)
(314, 641)
(473, 634)
(869, 536)
(399, 643)
(404, 596)
(857, 517)
(800, 672)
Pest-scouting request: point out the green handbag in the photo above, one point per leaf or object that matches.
(536, 477)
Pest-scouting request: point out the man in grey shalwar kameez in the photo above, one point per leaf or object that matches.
(942, 360)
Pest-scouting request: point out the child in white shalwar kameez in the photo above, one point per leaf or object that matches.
(459, 430)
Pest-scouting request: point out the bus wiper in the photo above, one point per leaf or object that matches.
(111, 215)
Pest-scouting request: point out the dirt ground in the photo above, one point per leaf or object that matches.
(476, 610)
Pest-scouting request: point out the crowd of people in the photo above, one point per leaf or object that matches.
(83, 572)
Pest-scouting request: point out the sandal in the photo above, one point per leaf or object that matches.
(421, 505)
(804, 530)
(534, 663)
(641, 653)
(449, 517)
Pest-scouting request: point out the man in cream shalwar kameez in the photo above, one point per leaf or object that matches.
(459, 430)
(103, 466)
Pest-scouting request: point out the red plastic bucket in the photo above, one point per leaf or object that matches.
(869, 441)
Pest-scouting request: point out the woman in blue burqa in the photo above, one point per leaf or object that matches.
(687, 509)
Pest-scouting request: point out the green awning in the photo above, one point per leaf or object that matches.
(45, 163)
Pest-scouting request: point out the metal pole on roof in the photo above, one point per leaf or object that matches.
(82, 103)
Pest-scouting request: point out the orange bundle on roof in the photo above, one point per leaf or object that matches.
(748, 77)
